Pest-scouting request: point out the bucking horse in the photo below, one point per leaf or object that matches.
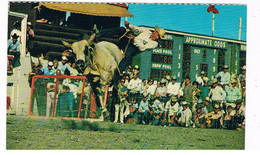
(99, 63)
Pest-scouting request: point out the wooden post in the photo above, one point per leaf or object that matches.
(240, 24)
(213, 22)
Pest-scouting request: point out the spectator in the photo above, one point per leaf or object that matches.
(129, 70)
(240, 115)
(161, 91)
(64, 66)
(74, 70)
(232, 94)
(243, 74)
(189, 91)
(29, 37)
(228, 122)
(14, 49)
(174, 88)
(204, 89)
(143, 111)
(38, 92)
(199, 79)
(122, 102)
(199, 117)
(157, 112)
(150, 88)
(172, 107)
(196, 93)
(133, 115)
(142, 88)
(49, 98)
(127, 79)
(207, 105)
(214, 118)
(65, 102)
(55, 64)
(185, 116)
(134, 87)
(217, 93)
(224, 76)
(243, 89)
(135, 71)
(48, 70)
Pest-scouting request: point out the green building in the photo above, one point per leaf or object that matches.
(186, 54)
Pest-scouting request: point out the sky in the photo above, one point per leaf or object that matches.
(191, 18)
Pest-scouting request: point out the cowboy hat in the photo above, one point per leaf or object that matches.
(15, 36)
(160, 31)
(173, 99)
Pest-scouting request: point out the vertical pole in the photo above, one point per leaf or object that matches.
(54, 99)
(240, 24)
(23, 35)
(31, 98)
(81, 96)
(213, 19)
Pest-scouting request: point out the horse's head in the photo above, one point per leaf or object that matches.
(82, 50)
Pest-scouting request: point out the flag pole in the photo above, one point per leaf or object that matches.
(213, 21)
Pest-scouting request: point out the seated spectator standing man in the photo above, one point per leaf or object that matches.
(228, 121)
(172, 107)
(174, 88)
(64, 66)
(14, 49)
(224, 76)
(145, 39)
(150, 88)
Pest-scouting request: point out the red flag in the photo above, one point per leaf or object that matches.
(212, 8)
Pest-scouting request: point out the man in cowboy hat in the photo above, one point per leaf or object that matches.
(232, 94)
(199, 79)
(214, 118)
(171, 109)
(64, 66)
(216, 92)
(204, 89)
(143, 39)
(242, 76)
(174, 88)
(14, 49)
(29, 37)
(224, 75)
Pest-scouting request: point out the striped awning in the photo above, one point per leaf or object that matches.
(94, 9)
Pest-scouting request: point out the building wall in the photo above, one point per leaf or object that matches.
(189, 56)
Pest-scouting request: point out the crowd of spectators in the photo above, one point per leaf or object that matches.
(203, 103)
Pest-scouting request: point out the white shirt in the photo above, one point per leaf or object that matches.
(199, 80)
(218, 93)
(143, 40)
(225, 77)
(171, 108)
(173, 89)
(186, 116)
(134, 85)
(150, 90)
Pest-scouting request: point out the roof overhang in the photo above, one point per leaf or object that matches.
(93, 9)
